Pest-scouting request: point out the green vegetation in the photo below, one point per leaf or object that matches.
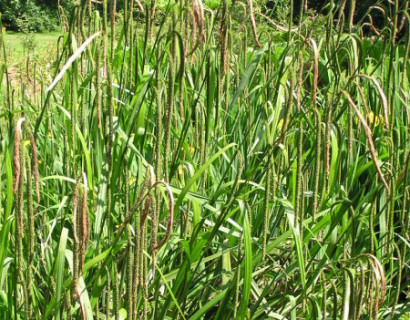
(33, 15)
(21, 44)
(206, 164)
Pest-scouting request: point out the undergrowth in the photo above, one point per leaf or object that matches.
(208, 164)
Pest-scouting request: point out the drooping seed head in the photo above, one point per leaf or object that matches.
(16, 156)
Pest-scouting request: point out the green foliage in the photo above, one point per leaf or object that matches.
(278, 10)
(10, 10)
(203, 165)
(35, 19)
(31, 15)
(29, 42)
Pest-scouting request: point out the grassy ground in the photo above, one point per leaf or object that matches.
(40, 47)
(17, 45)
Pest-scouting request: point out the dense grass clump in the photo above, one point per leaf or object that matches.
(191, 163)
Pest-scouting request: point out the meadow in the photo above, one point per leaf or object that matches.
(206, 163)
(18, 44)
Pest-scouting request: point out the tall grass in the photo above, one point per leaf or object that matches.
(199, 164)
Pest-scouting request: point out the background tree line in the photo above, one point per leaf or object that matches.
(32, 15)
(36, 15)
(43, 15)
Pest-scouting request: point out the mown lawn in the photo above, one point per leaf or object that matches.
(16, 45)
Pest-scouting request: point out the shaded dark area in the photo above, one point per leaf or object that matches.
(373, 18)
(38, 15)
(32, 15)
